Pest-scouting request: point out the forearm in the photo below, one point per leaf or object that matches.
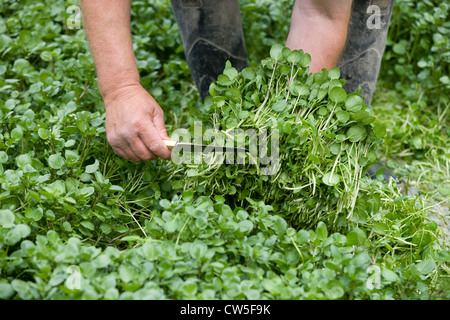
(319, 27)
(107, 25)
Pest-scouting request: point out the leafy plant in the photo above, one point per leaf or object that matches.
(78, 222)
(325, 138)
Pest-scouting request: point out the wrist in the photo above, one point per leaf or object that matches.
(115, 88)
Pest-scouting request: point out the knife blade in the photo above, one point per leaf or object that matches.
(172, 144)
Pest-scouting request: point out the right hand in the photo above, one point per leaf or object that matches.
(135, 124)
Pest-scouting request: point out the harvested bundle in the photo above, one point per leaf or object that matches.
(314, 142)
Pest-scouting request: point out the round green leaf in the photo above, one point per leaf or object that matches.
(248, 73)
(334, 73)
(3, 157)
(279, 106)
(6, 218)
(356, 133)
(17, 133)
(276, 52)
(305, 60)
(6, 290)
(331, 179)
(426, 266)
(338, 94)
(294, 57)
(198, 249)
(17, 233)
(56, 161)
(353, 103)
(342, 116)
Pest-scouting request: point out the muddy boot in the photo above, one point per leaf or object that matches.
(361, 58)
(211, 31)
(366, 40)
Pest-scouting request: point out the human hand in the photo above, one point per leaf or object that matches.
(135, 124)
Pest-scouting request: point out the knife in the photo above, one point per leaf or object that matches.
(171, 144)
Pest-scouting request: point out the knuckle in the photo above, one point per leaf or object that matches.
(154, 146)
(138, 124)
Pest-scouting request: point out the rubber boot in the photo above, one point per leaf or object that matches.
(211, 31)
(366, 41)
(361, 58)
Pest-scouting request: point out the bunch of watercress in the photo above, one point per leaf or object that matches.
(314, 141)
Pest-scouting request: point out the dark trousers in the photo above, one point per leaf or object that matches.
(211, 31)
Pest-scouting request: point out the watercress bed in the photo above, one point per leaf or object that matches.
(79, 222)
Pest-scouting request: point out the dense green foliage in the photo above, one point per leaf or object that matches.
(70, 209)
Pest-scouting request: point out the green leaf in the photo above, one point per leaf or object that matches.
(56, 161)
(92, 167)
(334, 290)
(305, 60)
(127, 273)
(425, 267)
(87, 224)
(6, 218)
(356, 236)
(294, 57)
(400, 47)
(224, 80)
(334, 73)
(356, 133)
(245, 226)
(17, 133)
(105, 228)
(165, 203)
(34, 214)
(331, 179)
(3, 157)
(230, 72)
(6, 290)
(353, 103)
(279, 106)
(248, 73)
(276, 52)
(198, 249)
(17, 233)
(303, 237)
(342, 116)
(279, 225)
(338, 95)
(321, 231)
(389, 275)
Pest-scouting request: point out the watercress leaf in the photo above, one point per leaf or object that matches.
(321, 231)
(16, 233)
(198, 249)
(331, 179)
(248, 73)
(334, 73)
(3, 157)
(389, 275)
(276, 52)
(279, 106)
(353, 103)
(338, 95)
(6, 290)
(305, 60)
(425, 267)
(294, 56)
(356, 133)
(56, 161)
(92, 167)
(342, 116)
(6, 218)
